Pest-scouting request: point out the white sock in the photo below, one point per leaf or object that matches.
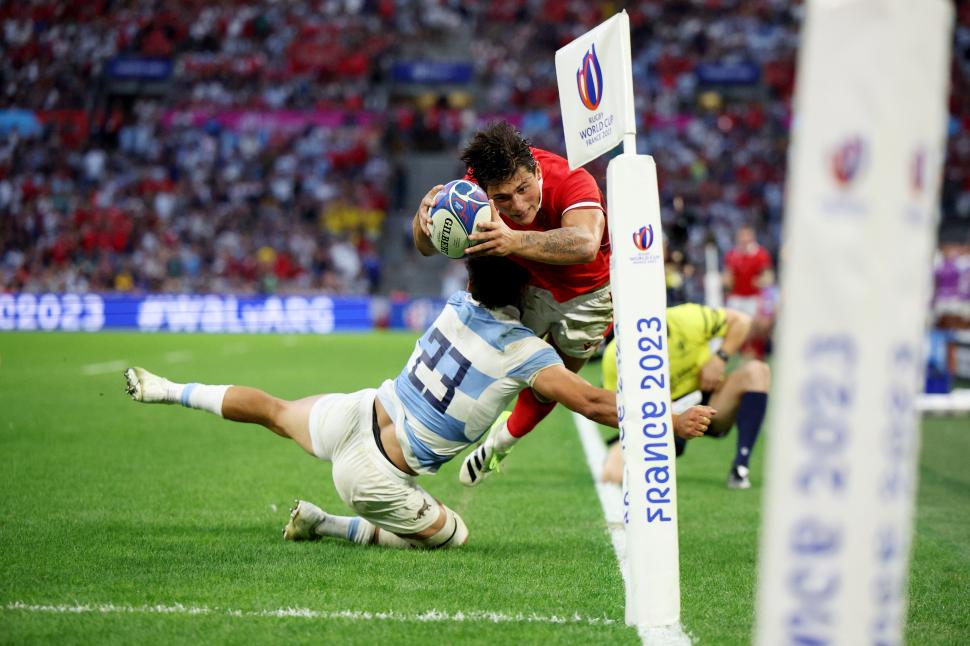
(360, 531)
(502, 439)
(200, 396)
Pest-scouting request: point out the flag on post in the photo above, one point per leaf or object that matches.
(595, 77)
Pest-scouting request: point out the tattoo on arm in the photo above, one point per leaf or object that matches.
(564, 246)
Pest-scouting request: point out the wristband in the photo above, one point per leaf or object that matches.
(724, 356)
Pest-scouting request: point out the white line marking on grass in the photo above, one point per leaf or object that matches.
(179, 356)
(610, 495)
(92, 369)
(471, 616)
(611, 499)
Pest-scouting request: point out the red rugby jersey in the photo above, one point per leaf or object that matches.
(746, 268)
(564, 190)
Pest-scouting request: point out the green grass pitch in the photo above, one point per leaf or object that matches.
(125, 523)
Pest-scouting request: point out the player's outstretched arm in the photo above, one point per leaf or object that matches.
(557, 383)
(421, 224)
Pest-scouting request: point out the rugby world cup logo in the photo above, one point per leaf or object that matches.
(643, 238)
(847, 160)
(589, 80)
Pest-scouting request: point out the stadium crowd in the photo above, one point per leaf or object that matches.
(107, 189)
(270, 155)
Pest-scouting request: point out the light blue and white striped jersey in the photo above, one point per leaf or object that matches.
(462, 374)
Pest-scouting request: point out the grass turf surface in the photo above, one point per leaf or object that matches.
(110, 502)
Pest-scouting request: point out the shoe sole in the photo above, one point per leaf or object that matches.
(137, 379)
(133, 385)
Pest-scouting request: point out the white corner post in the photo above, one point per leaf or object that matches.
(596, 96)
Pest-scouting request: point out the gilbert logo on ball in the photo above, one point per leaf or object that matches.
(458, 208)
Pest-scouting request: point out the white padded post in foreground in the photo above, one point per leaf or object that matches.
(861, 216)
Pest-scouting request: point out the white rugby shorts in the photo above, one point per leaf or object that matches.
(745, 304)
(341, 431)
(576, 326)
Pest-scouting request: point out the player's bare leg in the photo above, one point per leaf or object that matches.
(752, 376)
(237, 403)
(285, 418)
(308, 523)
(743, 399)
(613, 465)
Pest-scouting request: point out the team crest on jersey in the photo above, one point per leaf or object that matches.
(589, 80)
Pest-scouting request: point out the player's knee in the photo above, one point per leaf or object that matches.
(461, 532)
(274, 413)
(452, 534)
(757, 376)
(716, 431)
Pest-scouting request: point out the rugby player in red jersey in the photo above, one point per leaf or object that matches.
(552, 221)
(747, 274)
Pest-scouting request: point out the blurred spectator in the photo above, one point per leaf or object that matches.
(674, 267)
(951, 286)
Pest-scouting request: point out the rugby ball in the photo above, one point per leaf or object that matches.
(458, 208)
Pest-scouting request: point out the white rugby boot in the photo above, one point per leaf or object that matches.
(487, 457)
(149, 388)
(738, 478)
(305, 517)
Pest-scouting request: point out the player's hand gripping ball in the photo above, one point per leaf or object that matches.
(458, 208)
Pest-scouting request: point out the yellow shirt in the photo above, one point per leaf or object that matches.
(689, 329)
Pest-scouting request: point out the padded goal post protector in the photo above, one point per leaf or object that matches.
(860, 223)
(643, 393)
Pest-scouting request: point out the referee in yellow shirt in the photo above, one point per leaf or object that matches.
(741, 396)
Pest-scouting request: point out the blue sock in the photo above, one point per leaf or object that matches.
(751, 413)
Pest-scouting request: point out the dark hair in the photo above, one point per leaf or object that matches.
(495, 154)
(496, 281)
